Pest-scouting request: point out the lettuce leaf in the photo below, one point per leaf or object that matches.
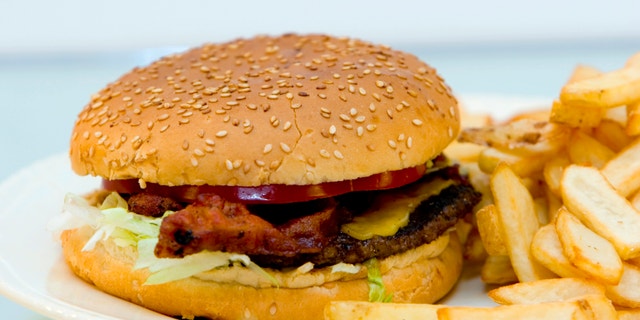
(112, 220)
(377, 291)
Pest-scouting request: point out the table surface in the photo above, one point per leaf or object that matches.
(40, 95)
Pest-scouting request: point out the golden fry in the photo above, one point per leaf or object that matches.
(518, 221)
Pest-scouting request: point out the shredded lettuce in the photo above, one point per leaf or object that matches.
(112, 220)
(377, 292)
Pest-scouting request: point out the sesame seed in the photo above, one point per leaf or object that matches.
(362, 91)
(353, 111)
(267, 148)
(274, 164)
(452, 111)
(198, 152)
(360, 131)
(296, 106)
(390, 113)
(416, 122)
(431, 104)
(232, 103)
(163, 116)
(164, 128)
(259, 163)
(338, 154)
(345, 117)
(450, 131)
(332, 130)
(380, 84)
(287, 126)
(371, 127)
(392, 144)
(409, 142)
(194, 162)
(372, 107)
(324, 153)
(285, 147)
(185, 144)
(221, 133)
(228, 164)
(412, 93)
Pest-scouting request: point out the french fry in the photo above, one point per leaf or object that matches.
(629, 314)
(626, 293)
(554, 203)
(623, 171)
(356, 310)
(463, 151)
(587, 250)
(522, 166)
(633, 119)
(474, 249)
(524, 137)
(610, 89)
(600, 305)
(635, 201)
(575, 309)
(547, 249)
(490, 231)
(541, 208)
(633, 61)
(588, 195)
(575, 116)
(612, 135)
(518, 222)
(548, 290)
(582, 72)
(553, 170)
(498, 270)
(587, 151)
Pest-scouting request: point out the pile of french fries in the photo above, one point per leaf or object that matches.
(558, 229)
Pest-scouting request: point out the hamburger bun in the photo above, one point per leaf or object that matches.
(422, 275)
(294, 110)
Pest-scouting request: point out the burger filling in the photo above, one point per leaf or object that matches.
(341, 230)
(325, 231)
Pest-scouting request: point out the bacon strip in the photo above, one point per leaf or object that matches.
(212, 223)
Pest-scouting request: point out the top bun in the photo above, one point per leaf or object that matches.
(291, 109)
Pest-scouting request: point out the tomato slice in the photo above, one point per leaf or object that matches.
(274, 193)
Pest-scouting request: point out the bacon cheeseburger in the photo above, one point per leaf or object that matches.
(264, 177)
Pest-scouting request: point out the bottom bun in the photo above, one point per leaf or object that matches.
(424, 281)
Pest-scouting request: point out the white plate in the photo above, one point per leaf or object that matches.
(33, 274)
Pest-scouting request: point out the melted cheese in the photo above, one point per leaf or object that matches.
(391, 210)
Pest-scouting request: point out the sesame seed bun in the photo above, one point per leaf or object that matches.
(421, 275)
(292, 109)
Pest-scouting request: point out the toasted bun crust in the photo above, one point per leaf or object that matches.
(293, 109)
(424, 281)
